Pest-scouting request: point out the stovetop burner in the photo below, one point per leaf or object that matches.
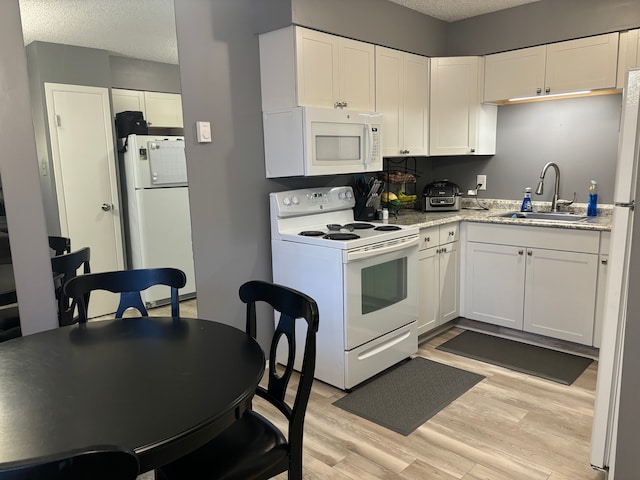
(359, 226)
(311, 233)
(341, 236)
(387, 228)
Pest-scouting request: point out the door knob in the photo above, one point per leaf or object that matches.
(106, 207)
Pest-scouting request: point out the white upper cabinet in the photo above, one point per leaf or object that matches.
(127, 100)
(575, 65)
(159, 109)
(402, 96)
(302, 67)
(518, 73)
(459, 124)
(163, 109)
(629, 54)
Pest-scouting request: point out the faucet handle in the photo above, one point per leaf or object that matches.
(566, 203)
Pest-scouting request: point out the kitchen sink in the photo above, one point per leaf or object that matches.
(546, 216)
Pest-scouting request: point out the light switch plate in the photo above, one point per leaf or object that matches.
(203, 132)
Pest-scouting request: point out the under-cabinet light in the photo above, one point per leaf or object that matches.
(519, 99)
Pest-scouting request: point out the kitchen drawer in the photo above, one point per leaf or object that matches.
(449, 233)
(585, 241)
(429, 237)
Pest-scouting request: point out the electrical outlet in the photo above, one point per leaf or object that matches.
(481, 182)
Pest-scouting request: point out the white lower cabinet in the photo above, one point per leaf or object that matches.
(438, 276)
(536, 279)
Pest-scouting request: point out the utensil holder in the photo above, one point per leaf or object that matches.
(361, 211)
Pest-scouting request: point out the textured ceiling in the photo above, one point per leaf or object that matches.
(142, 29)
(146, 29)
(452, 10)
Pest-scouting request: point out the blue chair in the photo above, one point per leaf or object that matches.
(253, 448)
(129, 284)
(95, 463)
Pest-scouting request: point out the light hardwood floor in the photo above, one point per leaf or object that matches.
(510, 426)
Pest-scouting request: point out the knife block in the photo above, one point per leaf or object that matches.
(361, 211)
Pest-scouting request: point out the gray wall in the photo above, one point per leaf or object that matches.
(25, 214)
(580, 135)
(541, 22)
(375, 21)
(135, 74)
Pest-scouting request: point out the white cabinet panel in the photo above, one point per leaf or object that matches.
(512, 281)
(402, 98)
(560, 294)
(458, 123)
(303, 67)
(127, 100)
(163, 109)
(584, 64)
(159, 109)
(429, 289)
(519, 73)
(438, 276)
(628, 54)
(356, 75)
(495, 284)
(563, 67)
(317, 72)
(449, 282)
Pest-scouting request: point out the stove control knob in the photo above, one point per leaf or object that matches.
(286, 201)
(341, 195)
(349, 194)
(295, 200)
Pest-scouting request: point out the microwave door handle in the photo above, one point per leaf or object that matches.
(368, 158)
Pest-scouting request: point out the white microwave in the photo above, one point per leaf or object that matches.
(309, 141)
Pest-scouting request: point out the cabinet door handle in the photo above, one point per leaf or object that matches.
(452, 234)
(444, 250)
(428, 239)
(530, 252)
(520, 252)
(538, 91)
(547, 90)
(473, 150)
(604, 261)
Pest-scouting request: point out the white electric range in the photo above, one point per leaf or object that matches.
(362, 275)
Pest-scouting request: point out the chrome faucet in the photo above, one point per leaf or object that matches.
(555, 200)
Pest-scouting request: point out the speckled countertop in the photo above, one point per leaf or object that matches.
(471, 212)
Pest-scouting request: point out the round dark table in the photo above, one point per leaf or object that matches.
(159, 386)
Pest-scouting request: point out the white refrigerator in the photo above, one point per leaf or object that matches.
(616, 422)
(158, 219)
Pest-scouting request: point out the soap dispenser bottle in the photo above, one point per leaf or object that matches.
(526, 201)
(592, 206)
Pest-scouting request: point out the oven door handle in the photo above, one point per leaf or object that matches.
(372, 252)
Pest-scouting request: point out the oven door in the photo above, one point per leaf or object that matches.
(381, 292)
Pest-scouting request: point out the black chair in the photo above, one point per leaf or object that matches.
(66, 267)
(253, 448)
(60, 245)
(97, 463)
(129, 284)
(9, 323)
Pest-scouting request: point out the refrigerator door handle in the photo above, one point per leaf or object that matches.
(630, 204)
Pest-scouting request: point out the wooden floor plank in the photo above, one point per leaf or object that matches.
(509, 426)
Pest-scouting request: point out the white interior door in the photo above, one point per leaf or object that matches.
(86, 178)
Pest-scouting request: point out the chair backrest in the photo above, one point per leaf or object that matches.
(60, 245)
(96, 463)
(67, 265)
(293, 306)
(129, 284)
